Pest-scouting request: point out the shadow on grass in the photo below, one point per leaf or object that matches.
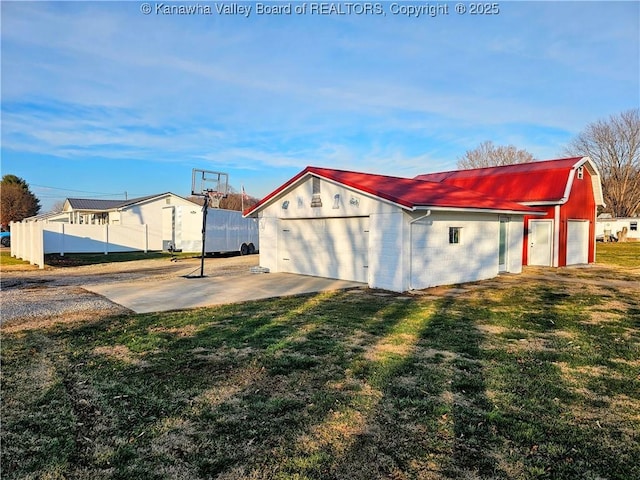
(340, 385)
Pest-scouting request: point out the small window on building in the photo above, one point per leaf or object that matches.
(316, 201)
(455, 234)
(633, 226)
(580, 173)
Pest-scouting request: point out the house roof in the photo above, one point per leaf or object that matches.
(94, 204)
(105, 205)
(535, 183)
(408, 193)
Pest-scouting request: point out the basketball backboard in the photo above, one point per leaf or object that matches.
(209, 183)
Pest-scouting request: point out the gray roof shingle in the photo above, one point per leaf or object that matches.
(93, 204)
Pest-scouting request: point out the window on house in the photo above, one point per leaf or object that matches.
(455, 234)
(633, 226)
(316, 201)
(580, 173)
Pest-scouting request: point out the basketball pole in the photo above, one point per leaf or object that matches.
(202, 184)
(205, 207)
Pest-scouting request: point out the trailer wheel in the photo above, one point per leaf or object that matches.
(244, 249)
(252, 249)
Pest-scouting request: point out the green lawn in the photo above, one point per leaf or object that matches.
(626, 254)
(518, 379)
(78, 259)
(7, 260)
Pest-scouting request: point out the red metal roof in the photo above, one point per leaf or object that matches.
(535, 182)
(406, 192)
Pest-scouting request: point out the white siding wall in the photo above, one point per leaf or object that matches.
(402, 255)
(150, 213)
(435, 261)
(268, 228)
(387, 246)
(348, 203)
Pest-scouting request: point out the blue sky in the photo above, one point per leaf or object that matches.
(99, 99)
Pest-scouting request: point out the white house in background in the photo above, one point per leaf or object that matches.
(611, 226)
(148, 210)
(134, 211)
(392, 233)
(170, 222)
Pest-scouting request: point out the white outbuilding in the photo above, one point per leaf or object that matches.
(391, 233)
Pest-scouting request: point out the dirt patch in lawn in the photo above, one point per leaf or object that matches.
(120, 353)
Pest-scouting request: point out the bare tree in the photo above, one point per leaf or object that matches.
(489, 155)
(58, 206)
(233, 201)
(614, 145)
(16, 200)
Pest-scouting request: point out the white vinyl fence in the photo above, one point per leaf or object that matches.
(30, 241)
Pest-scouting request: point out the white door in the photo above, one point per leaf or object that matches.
(168, 228)
(540, 242)
(577, 242)
(325, 247)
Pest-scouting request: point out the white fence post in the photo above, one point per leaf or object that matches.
(14, 247)
(62, 239)
(31, 242)
(40, 243)
(146, 238)
(106, 239)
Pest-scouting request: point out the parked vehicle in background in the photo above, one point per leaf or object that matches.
(5, 238)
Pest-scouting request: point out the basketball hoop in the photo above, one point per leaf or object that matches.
(213, 187)
(203, 182)
(213, 198)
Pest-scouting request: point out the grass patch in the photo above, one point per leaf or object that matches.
(79, 259)
(7, 260)
(534, 379)
(624, 254)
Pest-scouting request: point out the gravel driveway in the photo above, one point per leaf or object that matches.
(31, 298)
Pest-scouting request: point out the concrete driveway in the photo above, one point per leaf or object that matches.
(144, 296)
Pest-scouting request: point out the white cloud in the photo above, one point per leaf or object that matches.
(101, 80)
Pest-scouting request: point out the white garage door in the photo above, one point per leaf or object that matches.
(325, 247)
(577, 242)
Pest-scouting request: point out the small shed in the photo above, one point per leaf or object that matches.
(388, 232)
(568, 190)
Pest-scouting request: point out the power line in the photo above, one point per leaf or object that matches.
(77, 191)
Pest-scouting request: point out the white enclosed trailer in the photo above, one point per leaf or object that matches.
(227, 231)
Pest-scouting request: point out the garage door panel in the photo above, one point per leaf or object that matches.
(577, 242)
(327, 247)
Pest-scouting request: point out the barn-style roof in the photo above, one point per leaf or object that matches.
(536, 183)
(408, 193)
